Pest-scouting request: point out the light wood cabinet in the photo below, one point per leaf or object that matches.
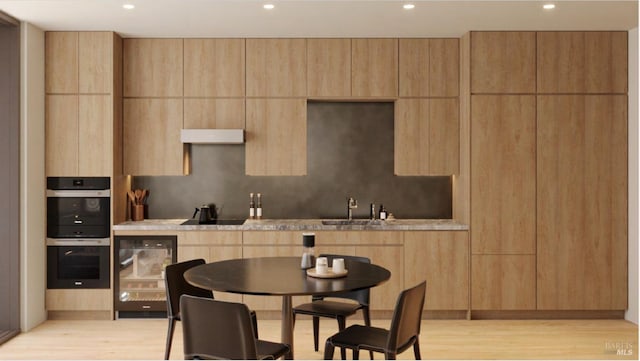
(61, 135)
(96, 62)
(428, 67)
(203, 113)
(78, 300)
(153, 67)
(96, 135)
(503, 62)
(276, 67)
(152, 137)
(82, 108)
(426, 137)
(374, 67)
(503, 168)
(276, 137)
(503, 282)
(582, 62)
(442, 259)
(328, 68)
(79, 135)
(582, 202)
(214, 67)
(61, 62)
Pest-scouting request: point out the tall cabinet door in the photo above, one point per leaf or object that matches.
(61, 135)
(503, 168)
(582, 204)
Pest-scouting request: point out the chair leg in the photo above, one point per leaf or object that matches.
(356, 354)
(328, 350)
(316, 331)
(342, 324)
(367, 322)
(167, 349)
(390, 355)
(416, 350)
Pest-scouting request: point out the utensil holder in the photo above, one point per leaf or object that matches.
(138, 212)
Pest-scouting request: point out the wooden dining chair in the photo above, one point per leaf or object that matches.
(176, 286)
(403, 333)
(214, 329)
(319, 307)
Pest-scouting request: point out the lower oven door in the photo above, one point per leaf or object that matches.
(73, 263)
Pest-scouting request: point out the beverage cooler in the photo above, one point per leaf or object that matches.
(139, 263)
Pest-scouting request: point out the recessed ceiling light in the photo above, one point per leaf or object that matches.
(129, 6)
(268, 6)
(408, 6)
(549, 6)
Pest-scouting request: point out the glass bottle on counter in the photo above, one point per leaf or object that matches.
(259, 207)
(252, 207)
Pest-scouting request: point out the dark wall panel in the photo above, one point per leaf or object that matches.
(350, 153)
(9, 177)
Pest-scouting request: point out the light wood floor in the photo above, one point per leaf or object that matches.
(440, 339)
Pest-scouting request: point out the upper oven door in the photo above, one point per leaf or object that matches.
(78, 213)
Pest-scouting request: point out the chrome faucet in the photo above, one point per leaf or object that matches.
(351, 204)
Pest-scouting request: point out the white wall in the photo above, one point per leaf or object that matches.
(634, 161)
(32, 179)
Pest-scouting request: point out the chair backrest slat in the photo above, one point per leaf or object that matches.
(217, 329)
(177, 286)
(407, 314)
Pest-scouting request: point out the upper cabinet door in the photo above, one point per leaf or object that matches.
(428, 67)
(276, 67)
(374, 67)
(152, 67)
(152, 137)
(328, 67)
(582, 62)
(276, 137)
(214, 67)
(426, 137)
(61, 62)
(95, 62)
(503, 62)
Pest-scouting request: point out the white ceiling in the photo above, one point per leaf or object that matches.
(319, 18)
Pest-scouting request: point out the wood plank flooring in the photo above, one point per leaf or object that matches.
(135, 339)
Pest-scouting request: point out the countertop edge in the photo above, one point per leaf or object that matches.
(293, 225)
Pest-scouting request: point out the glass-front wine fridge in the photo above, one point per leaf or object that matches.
(139, 263)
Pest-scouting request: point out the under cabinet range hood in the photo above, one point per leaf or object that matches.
(212, 136)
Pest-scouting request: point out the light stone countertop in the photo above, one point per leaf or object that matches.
(296, 225)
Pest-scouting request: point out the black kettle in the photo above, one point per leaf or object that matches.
(206, 215)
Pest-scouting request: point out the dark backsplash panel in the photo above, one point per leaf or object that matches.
(350, 154)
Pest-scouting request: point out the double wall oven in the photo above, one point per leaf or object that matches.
(78, 232)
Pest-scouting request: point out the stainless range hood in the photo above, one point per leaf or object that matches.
(212, 136)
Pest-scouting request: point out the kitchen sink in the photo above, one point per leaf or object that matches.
(352, 222)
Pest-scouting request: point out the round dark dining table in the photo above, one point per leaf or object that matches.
(282, 276)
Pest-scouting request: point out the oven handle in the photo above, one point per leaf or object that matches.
(78, 193)
(78, 242)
